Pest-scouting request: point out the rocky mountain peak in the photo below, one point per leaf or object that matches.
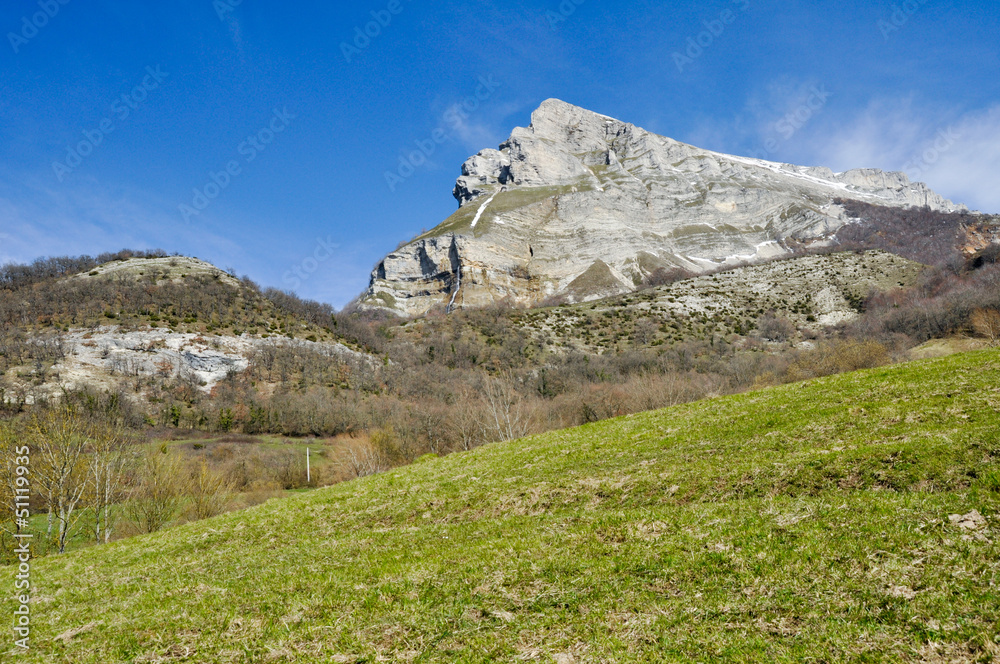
(581, 205)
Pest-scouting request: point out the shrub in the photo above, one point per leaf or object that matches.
(361, 458)
(775, 328)
(662, 276)
(209, 491)
(157, 497)
(839, 357)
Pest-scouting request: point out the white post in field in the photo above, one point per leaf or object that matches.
(308, 475)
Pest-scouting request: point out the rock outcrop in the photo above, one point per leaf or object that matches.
(581, 206)
(101, 357)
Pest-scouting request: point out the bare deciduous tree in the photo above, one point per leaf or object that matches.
(362, 458)
(645, 331)
(465, 421)
(432, 424)
(60, 440)
(109, 457)
(986, 323)
(653, 392)
(506, 416)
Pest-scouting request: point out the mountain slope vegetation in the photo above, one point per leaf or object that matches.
(164, 328)
(239, 382)
(142, 289)
(849, 518)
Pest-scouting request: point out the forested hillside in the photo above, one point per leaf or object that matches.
(239, 380)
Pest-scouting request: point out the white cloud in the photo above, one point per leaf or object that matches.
(967, 171)
(472, 135)
(482, 127)
(956, 155)
(772, 121)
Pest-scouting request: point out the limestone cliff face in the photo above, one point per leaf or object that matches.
(582, 206)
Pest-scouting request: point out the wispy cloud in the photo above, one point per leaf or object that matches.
(769, 117)
(236, 33)
(41, 220)
(486, 130)
(882, 135)
(958, 155)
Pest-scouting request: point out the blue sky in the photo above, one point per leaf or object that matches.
(286, 117)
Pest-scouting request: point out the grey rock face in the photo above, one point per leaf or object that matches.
(580, 205)
(480, 173)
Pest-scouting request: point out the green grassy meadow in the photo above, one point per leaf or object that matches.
(804, 523)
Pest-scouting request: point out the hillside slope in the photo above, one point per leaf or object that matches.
(811, 522)
(149, 320)
(811, 292)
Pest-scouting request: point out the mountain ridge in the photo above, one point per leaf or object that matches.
(580, 194)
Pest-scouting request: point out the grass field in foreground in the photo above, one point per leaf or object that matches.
(807, 522)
